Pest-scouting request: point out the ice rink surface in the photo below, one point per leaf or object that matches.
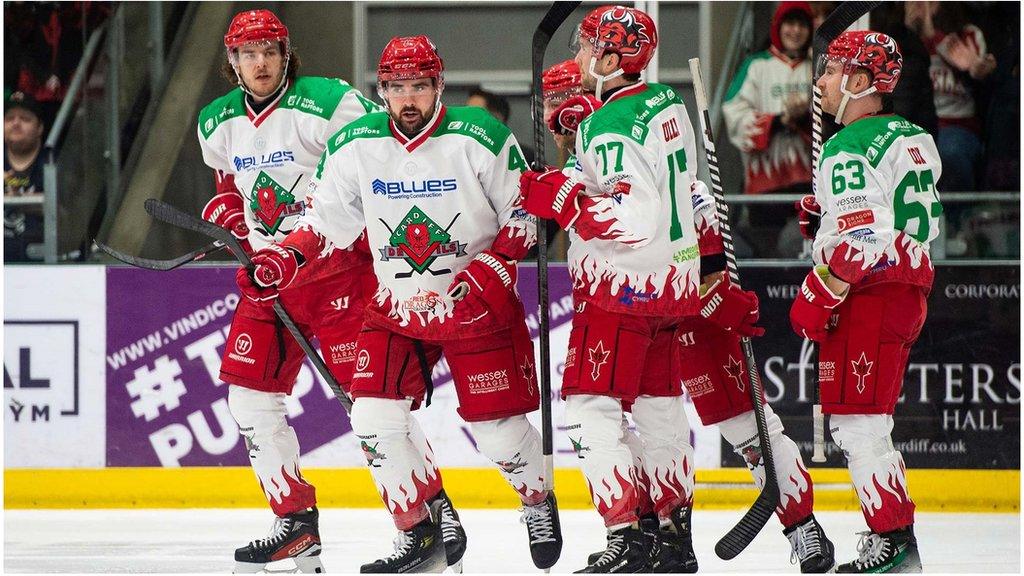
(203, 540)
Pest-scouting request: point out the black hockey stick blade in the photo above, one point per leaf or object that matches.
(744, 532)
(160, 265)
(169, 214)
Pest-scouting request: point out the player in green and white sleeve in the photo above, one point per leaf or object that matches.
(865, 299)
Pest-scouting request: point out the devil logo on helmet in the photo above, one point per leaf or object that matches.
(877, 54)
(620, 29)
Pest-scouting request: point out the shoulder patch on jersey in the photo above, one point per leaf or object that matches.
(475, 123)
(629, 116)
(870, 138)
(316, 95)
(373, 125)
(230, 105)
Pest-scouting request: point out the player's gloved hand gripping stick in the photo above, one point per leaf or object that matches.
(175, 217)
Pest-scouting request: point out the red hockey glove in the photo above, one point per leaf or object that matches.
(551, 195)
(731, 308)
(568, 116)
(808, 215)
(274, 268)
(227, 210)
(813, 306)
(484, 290)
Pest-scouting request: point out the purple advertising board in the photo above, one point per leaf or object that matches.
(165, 336)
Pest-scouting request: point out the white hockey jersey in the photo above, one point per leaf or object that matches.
(429, 205)
(271, 155)
(880, 209)
(634, 247)
(774, 157)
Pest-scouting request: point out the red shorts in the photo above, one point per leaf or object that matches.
(260, 353)
(620, 355)
(713, 370)
(494, 374)
(862, 360)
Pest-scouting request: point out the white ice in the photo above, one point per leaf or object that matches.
(203, 540)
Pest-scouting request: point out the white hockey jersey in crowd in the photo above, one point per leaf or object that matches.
(634, 247)
(775, 157)
(880, 209)
(954, 99)
(271, 155)
(429, 204)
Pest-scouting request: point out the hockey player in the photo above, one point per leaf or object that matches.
(865, 299)
(263, 139)
(563, 92)
(437, 190)
(635, 277)
(559, 83)
(713, 370)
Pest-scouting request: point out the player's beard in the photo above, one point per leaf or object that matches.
(411, 125)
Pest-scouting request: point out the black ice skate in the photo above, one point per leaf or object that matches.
(452, 531)
(420, 549)
(811, 547)
(544, 531)
(295, 536)
(894, 552)
(648, 524)
(628, 552)
(673, 546)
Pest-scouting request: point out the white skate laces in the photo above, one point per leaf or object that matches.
(277, 533)
(616, 544)
(538, 523)
(449, 523)
(403, 544)
(806, 542)
(872, 549)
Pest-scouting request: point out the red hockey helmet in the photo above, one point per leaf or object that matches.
(628, 32)
(410, 57)
(255, 26)
(873, 51)
(561, 80)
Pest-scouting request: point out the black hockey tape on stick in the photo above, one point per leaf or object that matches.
(554, 18)
(166, 213)
(744, 532)
(160, 265)
(841, 18)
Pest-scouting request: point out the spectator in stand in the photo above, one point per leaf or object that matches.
(959, 62)
(23, 176)
(43, 46)
(913, 97)
(767, 114)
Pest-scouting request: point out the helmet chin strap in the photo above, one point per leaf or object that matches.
(847, 96)
(601, 79)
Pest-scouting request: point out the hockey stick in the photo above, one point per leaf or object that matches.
(161, 265)
(175, 217)
(837, 22)
(744, 532)
(554, 18)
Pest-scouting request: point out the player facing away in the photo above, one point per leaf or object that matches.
(263, 139)
(437, 190)
(864, 301)
(635, 263)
